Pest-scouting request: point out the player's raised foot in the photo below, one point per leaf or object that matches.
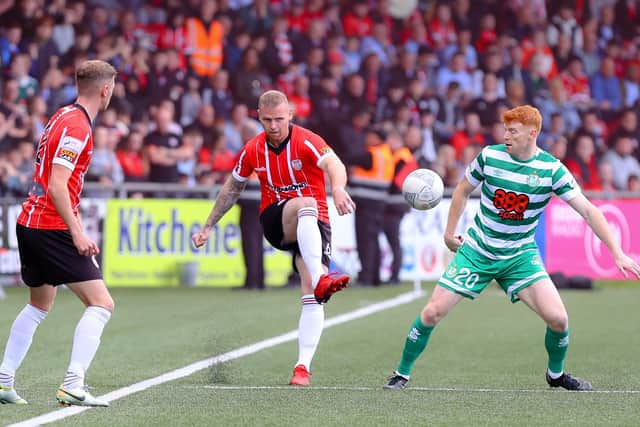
(569, 382)
(78, 397)
(396, 382)
(8, 395)
(300, 376)
(328, 285)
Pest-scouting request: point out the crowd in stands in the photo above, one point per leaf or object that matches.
(440, 73)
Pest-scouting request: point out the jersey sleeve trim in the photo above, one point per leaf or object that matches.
(62, 162)
(238, 177)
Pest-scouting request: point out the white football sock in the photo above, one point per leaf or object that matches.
(310, 242)
(19, 342)
(85, 344)
(554, 375)
(309, 330)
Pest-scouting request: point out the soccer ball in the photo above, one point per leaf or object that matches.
(423, 189)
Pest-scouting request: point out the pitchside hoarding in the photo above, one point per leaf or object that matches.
(147, 241)
(573, 249)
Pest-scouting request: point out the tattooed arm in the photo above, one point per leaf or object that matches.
(227, 197)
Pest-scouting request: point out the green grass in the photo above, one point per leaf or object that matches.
(488, 344)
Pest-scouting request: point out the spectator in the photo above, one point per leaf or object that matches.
(205, 41)
(357, 22)
(582, 163)
(10, 41)
(219, 94)
(446, 166)
(606, 175)
(163, 149)
(129, 156)
(630, 86)
(449, 113)
(470, 134)
(576, 83)
(622, 161)
(605, 88)
(105, 167)
(487, 105)
(456, 72)
(557, 102)
(233, 128)
(250, 80)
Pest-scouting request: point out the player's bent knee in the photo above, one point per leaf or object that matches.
(558, 322)
(432, 314)
(307, 202)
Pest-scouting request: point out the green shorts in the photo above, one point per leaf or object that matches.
(469, 273)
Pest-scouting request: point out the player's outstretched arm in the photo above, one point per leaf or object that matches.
(227, 197)
(338, 177)
(598, 223)
(458, 201)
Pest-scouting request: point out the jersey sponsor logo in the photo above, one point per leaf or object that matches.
(68, 155)
(296, 164)
(70, 143)
(288, 188)
(510, 205)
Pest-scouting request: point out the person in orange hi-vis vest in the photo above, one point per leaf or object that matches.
(370, 182)
(205, 38)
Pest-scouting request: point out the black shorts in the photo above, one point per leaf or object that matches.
(50, 257)
(271, 220)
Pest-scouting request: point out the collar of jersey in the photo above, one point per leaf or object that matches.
(282, 146)
(84, 110)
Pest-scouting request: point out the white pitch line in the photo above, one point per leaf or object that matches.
(221, 358)
(461, 390)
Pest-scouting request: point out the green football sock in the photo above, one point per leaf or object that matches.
(557, 344)
(414, 345)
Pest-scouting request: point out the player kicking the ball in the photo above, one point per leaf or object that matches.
(54, 248)
(518, 180)
(290, 163)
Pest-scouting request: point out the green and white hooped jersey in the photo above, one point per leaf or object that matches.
(514, 195)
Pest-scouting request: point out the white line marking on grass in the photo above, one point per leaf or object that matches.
(463, 390)
(221, 358)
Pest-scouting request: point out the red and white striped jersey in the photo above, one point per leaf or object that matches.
(291, 170)
(66, 141)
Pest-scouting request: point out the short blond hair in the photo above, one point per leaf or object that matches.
(272, 98)
(525, 114)
(90, 75)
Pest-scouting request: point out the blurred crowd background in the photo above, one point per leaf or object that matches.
(437, 73)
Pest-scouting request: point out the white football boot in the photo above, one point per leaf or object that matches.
(78, 397)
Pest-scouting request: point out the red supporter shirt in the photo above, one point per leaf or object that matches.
(291, 170)
(66, 141)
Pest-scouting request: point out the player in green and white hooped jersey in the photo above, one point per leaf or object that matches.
(517, 181)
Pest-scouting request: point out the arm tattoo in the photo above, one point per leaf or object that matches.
(227, 197)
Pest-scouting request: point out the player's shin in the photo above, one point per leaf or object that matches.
(310, 242)
(309, 330)
(85, 345)
(414, 345)
(557, 344)
(19, 342)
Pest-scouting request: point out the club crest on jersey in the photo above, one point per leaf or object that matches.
(296, 164)
(533, 180)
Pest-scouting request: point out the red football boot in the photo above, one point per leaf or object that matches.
(300, 376)
(328, 285)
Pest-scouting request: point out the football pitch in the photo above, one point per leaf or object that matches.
(484, 366)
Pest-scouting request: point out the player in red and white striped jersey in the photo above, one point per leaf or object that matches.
(54, 249)
(290, 162)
